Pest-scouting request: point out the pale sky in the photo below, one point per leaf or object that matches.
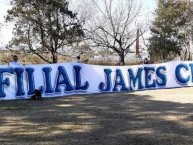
(6, 30)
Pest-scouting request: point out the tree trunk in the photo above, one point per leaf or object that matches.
(54, 57)
(163, 56)
(121, 58)
(185, 54)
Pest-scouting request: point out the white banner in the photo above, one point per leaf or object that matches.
(63, 79)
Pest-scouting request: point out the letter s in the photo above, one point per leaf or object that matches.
(161, 74)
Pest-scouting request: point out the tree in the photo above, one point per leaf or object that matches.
(114, 25)
(44, 26)
(168, 30)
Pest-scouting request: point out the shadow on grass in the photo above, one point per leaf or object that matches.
(100, 119)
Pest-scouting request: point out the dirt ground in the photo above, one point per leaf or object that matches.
(156, 117)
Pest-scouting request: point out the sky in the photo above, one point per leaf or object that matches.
(6, 30)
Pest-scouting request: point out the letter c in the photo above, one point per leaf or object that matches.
(179, 76)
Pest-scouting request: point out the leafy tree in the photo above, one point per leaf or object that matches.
(168, 30)
(44, 26)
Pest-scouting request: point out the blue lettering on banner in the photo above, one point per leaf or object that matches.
(30, 78)
(191, 66)
(148, 77)
(161, 76)
(179, 76)
(4, 82)
(133, 79)
(58, 80)
(19, 77)
(63, 80)
(119, 81)
(47, 79)
(105, 87)
(77, 77)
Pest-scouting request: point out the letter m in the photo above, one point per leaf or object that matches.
(133, 79)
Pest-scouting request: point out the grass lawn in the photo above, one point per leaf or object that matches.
(156, 117)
